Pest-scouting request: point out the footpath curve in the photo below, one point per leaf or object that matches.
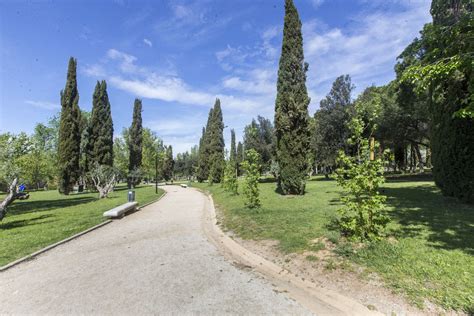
(319, 300)
(155, 261)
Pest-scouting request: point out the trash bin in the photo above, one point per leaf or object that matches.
(131, 196)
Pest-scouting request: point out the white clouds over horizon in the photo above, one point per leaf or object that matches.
(44, 105)
(366, 49)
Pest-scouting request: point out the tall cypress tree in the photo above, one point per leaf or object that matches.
(168, 164)
(216, 144)
(69, 141)
(233, 149)
(101, 130)
(240, 157)
(135, 143)
(291, 108)
(203, 157)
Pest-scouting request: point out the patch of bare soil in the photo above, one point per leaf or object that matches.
(328, 270)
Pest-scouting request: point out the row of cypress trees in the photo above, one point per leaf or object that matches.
(291, 119)
(99, 133)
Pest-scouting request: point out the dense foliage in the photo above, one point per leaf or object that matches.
(440, 65)
(291, 108)
(135, 144)
(330, 131)
(361, 175)
(258, 135)
(69, 141)
(100, 149)
(211, 162)
(251, 169)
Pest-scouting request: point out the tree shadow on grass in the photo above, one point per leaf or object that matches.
(23, 207)
(26, 222)
(420, 177)
(422, 210)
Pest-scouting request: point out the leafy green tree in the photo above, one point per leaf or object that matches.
(69, 141)
(251, 168)
(186, 163)
(168, 164)
(330, 124)
(440, 65)
(152, 149)
(135, 145)
(101, 131)
(12, 147)
(230, 182)
(121, 155)
(291, 108)
(362, 215)
(258, 135)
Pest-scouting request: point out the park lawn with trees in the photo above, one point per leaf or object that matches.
(429, 252)
(48, 217)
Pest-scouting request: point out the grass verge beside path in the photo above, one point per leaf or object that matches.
(48, 217)
(430, 254)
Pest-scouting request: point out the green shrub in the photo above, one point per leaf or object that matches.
(252, 174)
(363, 215)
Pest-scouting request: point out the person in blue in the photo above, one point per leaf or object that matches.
(21, 194)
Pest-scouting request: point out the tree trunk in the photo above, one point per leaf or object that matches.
(8, 199)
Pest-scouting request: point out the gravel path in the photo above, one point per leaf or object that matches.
(156, 261)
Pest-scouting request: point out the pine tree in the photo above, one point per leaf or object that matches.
(101, 130)
(216, 144)
(135, 144)
(291, 108)
(69, 140)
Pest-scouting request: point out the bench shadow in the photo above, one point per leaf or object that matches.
(422, 210)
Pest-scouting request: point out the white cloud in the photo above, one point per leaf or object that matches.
(44, 105)
(147, 42)
(367, 50)
(94, 70)
(171, 89)
(316, 3)
(259, 81)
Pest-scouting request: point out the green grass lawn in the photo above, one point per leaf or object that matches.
(47, 217)
(430, 254)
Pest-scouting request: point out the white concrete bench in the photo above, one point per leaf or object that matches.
(121, 210)
(184, 185)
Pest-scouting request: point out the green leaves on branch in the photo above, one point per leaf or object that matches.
(363, 215)
(424, 76)
(230, 177)
(251, 168)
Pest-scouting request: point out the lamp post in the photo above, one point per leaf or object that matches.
(156, 174)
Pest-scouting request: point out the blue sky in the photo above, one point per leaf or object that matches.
(178, 56)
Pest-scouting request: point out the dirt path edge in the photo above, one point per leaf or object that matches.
(319, 300)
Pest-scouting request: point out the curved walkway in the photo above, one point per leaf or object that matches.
(156, 261)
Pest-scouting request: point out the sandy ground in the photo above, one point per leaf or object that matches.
(156, 261)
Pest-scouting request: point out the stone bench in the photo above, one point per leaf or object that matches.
(121, 210)
(184, 185)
